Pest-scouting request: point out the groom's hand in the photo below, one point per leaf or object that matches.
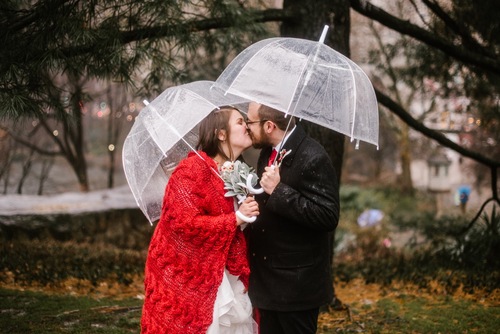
(270, 179)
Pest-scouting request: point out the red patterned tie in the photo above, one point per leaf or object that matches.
(271, 158)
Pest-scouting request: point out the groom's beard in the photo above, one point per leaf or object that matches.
(262, 141)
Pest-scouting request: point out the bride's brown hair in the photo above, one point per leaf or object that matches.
(209, 130)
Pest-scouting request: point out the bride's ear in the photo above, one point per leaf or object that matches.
(222, 135)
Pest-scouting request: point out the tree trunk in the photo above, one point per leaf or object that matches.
(110, 139)
(77, 138)
(47, 165)
(310, 18)
(83, 181)
(405, 155)
(111, 170)
(25, 171)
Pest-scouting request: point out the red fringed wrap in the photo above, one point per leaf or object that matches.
(196, 238)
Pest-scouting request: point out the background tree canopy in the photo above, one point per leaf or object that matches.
(124, 41)
(150, 44)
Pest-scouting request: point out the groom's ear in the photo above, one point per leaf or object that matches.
(269, 127)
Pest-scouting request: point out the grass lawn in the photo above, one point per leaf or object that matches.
(36, 312)
(372, 309)
(411, 314)
(404, 308)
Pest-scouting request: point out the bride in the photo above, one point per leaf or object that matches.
(197, 271)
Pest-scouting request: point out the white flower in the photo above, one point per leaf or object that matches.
(235, 175)
(282, 155)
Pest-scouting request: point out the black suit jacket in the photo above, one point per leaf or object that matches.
(289, 246)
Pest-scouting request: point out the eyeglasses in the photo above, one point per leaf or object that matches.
(259, 121)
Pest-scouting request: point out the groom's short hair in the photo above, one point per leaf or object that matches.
(279, 118)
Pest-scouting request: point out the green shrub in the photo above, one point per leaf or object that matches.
(436, 252)
(479, 246)
(357, 199)
(50, 262)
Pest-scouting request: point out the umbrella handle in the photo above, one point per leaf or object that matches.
(250, 188)
(245, 218)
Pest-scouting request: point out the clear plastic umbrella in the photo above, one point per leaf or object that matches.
(308, 80)
(163, 134)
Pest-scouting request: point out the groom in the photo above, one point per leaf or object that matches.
(289, 245)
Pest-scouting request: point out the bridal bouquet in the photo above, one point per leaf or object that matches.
(239, 180)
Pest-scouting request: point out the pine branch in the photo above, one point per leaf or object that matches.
(126, 37)
(21, 22)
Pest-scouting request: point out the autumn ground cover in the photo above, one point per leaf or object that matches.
(80, 307)
(65, 294)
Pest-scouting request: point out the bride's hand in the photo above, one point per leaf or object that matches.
(248, 208)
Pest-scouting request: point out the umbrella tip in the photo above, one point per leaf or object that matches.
(323, 34)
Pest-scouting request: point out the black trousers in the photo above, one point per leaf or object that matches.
(297, 322)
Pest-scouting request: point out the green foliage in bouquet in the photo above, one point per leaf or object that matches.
(235, 175)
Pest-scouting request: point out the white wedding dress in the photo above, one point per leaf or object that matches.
(232, 309)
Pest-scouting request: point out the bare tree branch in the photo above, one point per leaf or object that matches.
(386, 101)
(30, 144)
(468, 56)
(63, 149)
(458, 29)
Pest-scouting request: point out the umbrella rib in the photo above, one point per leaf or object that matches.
(355, 98)
(335, 67)
(303, 86)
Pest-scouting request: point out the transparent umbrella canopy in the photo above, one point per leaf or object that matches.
(308, 80)
(165, 131)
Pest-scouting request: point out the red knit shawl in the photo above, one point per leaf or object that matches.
(195, 239)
